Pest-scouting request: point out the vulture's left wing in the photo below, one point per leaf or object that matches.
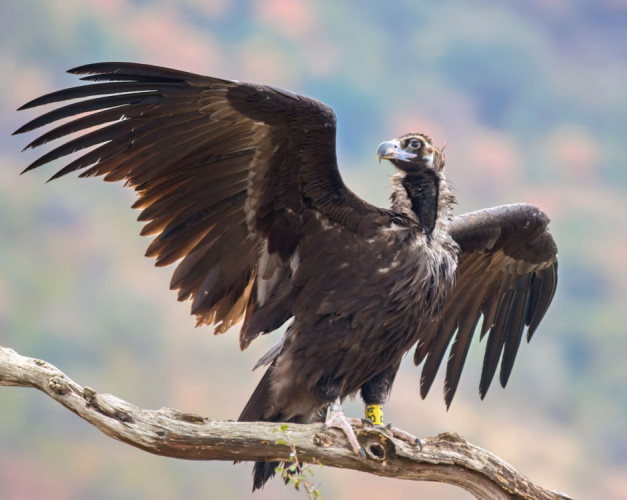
(507, 273)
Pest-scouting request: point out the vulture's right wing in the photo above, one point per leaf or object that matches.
(223, 171)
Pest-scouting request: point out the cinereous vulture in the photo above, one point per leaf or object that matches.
(239, 184)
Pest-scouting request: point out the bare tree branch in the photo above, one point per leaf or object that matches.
(447, 458)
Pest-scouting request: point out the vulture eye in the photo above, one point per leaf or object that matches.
(415, 143)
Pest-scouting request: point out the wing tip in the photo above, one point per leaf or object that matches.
(449, 394)
(484, 383)
(424, 387)
(504, 375)
(32, 166)
(33, 103)
(93, 68)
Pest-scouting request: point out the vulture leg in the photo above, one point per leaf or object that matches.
(375, 393)
(336, 418)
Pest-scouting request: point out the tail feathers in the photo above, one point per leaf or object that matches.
(259, 408)
(262, 472)
(255, 410)
(259, 403)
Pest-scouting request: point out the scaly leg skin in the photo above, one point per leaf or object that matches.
(374, 417)
(336, 418)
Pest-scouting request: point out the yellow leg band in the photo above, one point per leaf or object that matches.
(374, 413)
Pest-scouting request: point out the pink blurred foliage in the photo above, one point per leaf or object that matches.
(494, 159)
(110, 8)
(159, 34)
(293, 18)
(574, 152)
(16, 479)
(164, 36)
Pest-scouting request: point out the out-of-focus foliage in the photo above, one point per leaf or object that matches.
(531, 98)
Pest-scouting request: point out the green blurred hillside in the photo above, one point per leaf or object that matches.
(531, 99)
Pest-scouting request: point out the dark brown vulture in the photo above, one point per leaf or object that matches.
(239, 184)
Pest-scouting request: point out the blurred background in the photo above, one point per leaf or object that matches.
(531, 98)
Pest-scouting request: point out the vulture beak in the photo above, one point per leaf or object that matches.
(391, 150)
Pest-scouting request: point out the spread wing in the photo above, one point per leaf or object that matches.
(223, 171)
(507, 273)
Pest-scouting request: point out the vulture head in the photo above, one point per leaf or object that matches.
(412, 153)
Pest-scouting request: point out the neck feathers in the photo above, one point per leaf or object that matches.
(423, 196)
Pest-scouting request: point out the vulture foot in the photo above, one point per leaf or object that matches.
(336, 418)
(374, 418)
(404, 435)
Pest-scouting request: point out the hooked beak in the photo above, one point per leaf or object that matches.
(391, 150)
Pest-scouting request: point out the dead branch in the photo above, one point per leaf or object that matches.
(447, 458)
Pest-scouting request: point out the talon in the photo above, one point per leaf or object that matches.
(362, 452)
(419, 443)
(389, 426)
(366, 423)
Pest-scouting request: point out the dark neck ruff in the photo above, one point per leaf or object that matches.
(423, 190)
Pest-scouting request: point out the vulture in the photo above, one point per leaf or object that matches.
(239, 185)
